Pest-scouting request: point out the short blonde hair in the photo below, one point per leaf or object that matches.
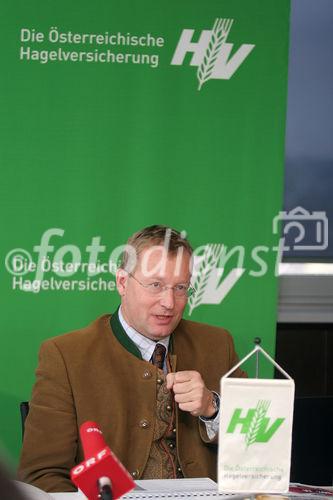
(155, 235)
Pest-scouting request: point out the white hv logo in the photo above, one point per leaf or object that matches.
(207, 280)
(211, 54)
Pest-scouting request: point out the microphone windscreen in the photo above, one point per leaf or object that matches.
(91, 438)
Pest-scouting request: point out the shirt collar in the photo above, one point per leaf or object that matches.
(146, 346)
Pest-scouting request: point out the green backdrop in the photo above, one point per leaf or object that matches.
(101, 148)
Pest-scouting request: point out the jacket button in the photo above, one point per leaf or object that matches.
(169, 407)
(147, 374)
(135, 473)
(159, 381)
(144, 424)
(174, 430)
(179, 469)
(171, 446)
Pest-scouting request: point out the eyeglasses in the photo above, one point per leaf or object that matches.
(156, 288)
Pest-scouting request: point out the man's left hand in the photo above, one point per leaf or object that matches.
(191, 393)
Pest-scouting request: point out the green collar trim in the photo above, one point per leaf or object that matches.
(124, 339)
(122, 336)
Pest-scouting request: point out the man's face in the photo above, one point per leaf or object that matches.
(154, 316)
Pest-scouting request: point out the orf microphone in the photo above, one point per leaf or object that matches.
(99, 465)
(92, 439)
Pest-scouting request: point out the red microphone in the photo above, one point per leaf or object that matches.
(100, 472)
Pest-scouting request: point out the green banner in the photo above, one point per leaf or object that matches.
(119, 116)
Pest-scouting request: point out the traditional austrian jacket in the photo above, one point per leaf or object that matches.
(97, 374)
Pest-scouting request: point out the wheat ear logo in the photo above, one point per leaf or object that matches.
(209, 262)
(212, 52)
(219, 36)
(209, 282)
(254, 424)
